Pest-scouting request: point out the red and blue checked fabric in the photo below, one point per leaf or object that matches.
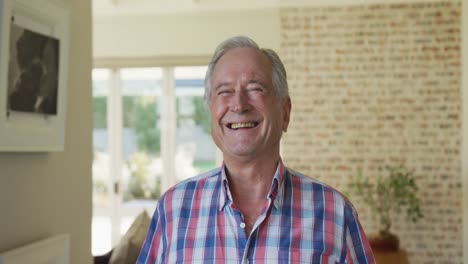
(303, 221)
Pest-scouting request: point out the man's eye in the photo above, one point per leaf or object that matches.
(255, 89)
(223, 92)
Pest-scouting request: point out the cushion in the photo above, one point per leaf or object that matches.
(128, 249)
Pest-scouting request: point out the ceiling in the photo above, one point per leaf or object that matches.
(102, 8)
(150, 7)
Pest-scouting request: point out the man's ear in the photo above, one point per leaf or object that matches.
(287, 105)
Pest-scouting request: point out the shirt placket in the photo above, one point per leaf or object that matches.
(246, 256)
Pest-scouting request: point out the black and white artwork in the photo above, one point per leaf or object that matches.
(33, 71)
(34, 49)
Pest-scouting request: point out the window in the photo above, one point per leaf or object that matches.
(194, 145)
(151, 130)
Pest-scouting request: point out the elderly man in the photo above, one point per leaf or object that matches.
(253, 209)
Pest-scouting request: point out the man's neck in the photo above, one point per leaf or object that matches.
(251, 171)
(250, 183)
(251, 179)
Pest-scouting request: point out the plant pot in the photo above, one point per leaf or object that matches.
(385, 241)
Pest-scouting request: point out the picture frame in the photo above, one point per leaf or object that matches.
(34, 46)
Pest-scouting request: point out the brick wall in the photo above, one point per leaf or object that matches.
(375, 85)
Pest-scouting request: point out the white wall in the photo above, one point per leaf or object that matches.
(180, 35)
(43, 194)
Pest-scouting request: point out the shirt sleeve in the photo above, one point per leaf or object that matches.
(358, 249)
(152, 251)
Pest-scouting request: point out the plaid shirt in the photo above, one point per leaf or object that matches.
(303, 221)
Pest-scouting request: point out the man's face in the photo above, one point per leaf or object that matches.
(247, 118)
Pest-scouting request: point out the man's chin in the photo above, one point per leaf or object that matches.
(246, 152)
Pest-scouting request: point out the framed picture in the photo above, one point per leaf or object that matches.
(33, 75)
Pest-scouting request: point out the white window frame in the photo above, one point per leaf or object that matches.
(168, 122)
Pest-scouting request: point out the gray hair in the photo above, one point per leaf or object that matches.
(279, 77)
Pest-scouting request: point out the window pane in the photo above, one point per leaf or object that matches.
(141, 103)
(101, 177)
(195, 149)
(101, 235)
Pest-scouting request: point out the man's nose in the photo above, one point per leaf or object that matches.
(240, 102)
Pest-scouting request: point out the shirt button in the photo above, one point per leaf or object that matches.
(242, 225)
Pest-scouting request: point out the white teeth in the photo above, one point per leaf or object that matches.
(242, 125)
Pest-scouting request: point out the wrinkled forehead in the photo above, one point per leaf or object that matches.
(242, 61)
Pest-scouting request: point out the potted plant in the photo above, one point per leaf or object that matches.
(387, 196)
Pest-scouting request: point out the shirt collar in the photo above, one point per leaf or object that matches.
(225, 194)
(275, 193)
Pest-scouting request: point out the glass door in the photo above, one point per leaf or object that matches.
(102, 182)
(151, 130)
(195, 149)
(127, 164)
(141, 167)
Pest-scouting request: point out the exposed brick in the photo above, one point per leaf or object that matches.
(375, 85)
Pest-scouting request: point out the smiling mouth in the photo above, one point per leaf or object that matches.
(236, 126)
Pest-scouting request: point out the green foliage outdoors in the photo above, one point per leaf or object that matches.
(140, 113)
(138, 186)
(201, 116)
(204, 165)
(100, 112)
(389, 195)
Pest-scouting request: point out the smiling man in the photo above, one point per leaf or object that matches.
(252, 209)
